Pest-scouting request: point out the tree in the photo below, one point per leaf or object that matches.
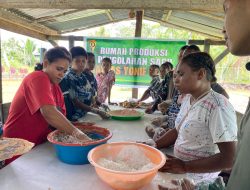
(102, 32)
(29, 50)
(18, 53)
(13, 50)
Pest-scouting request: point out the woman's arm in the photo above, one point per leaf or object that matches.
(87, 108)
(167, 139)
(109, 92)
(81, 105)
(56, 119)
(144, 96)
(217, 162)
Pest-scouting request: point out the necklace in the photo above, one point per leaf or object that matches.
(200, 97)
(191, 105)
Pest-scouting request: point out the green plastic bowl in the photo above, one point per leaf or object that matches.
(125, 117)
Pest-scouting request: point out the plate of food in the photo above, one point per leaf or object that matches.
(134, 104)
(10, 147)
(128, 104)
(144, 105)
(126, 114)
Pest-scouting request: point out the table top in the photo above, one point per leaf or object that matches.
(40, 169)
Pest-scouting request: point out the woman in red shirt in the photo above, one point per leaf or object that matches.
(38, 103)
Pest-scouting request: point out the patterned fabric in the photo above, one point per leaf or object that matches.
(92, 80)
(1, 128)
(162, 92)
(210, 120)
(168, 119)
(172, 112)
(154, 87)
(104, 83)
(77, 87)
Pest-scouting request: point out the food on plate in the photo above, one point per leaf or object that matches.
(10, 147)
(133, 104)
(127, 104)
(125, 112)
(144, 105)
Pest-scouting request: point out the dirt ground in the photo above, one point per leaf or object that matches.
(239, 94)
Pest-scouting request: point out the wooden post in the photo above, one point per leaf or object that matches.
(221, 56)
(207, 46)
(1, 85)
(71, 42)
(53, 43)
(138, 29)
(211, 42)
(42, 51)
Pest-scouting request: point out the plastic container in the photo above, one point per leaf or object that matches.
(76, 154)
(115, 116)
(125, 180)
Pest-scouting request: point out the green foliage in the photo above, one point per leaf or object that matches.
(13, 51)
(18, 54)
(102, 32)
(149, 30)
(29, 50)
(232, 70)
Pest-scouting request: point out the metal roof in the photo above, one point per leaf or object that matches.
(59, 21)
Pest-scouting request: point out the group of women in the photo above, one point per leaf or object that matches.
(38, 106)
(205, 131)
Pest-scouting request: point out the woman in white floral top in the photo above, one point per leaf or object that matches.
(205, 132)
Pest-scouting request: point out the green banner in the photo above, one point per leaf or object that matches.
(131, 58)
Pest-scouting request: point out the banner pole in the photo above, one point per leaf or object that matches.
(138, 29)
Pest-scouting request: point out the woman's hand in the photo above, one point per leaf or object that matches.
(105, 107)
(174, 165)
(149, 110)
(88, 123)
(163, 107)
(157, 121)
(113, 103)
(77, 133)
(149, 142)
(103, 115)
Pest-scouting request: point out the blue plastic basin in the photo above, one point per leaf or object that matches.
(77, 154)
